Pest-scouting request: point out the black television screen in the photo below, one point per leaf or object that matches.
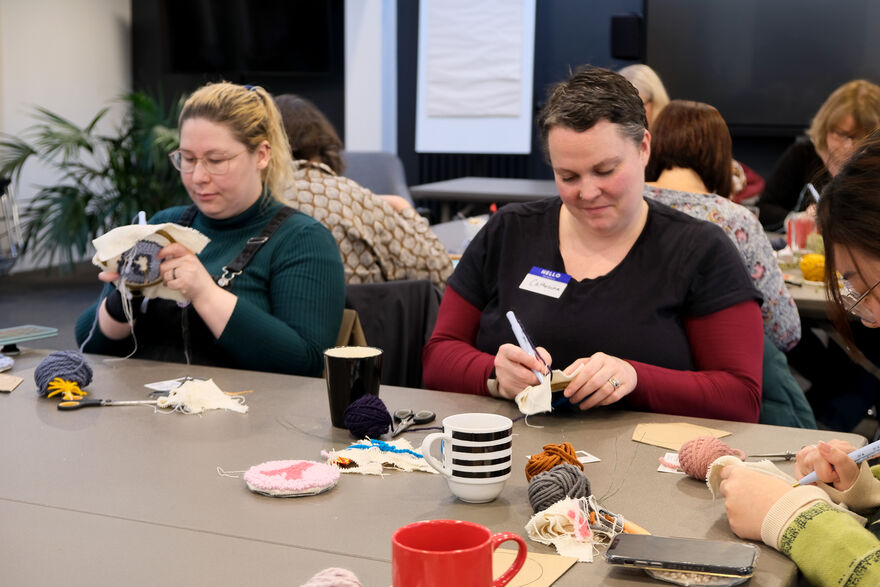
(765, 64)
(252, 36)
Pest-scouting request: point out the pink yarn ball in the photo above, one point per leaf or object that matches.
(696, 455)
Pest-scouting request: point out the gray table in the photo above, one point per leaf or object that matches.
(483, 190)
(123, 495)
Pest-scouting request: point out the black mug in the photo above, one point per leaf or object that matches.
(351, 372)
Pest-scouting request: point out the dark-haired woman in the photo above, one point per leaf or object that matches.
(642, 304)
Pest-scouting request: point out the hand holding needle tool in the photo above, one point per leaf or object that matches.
(525, 343)
(859, 455)
(88, 403)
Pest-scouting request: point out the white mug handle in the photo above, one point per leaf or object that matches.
(427, 443)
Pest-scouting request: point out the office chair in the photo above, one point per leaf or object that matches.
(379, 171)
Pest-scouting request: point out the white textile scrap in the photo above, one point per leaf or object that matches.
(537, 399)
(196, 396)
(565, 525)
(372, 457)
(111, 246)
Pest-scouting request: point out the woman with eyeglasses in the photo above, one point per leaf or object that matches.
(829, 544)
(281, 304)
(850, 112)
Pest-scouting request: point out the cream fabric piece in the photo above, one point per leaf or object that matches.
(374, 461)
(564, 525)
(537, 399)
(195, 397)
(713, 476)
(109, 248)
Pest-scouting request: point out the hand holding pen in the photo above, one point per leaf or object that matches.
(835, 462)
(513, 363)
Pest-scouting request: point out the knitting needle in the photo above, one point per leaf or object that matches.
(88, 403)
(869, 451)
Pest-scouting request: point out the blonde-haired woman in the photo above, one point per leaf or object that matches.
(651, 89)
(851, 112)
(284, 306)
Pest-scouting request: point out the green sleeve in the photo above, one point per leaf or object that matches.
(306, 297)
(832, 548)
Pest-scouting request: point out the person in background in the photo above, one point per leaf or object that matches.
(381, 238)
(849, 114)
(745, 183)
(642, 304)
(285, 307)
(689, 170)
(650, 87)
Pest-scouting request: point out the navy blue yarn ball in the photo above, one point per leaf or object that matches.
(367, 416)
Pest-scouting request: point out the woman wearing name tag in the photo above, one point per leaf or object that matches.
(646, 304)
(267, 292)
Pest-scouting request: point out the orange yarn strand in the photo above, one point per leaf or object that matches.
(554, 454)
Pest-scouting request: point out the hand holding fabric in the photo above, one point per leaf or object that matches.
(748, 496)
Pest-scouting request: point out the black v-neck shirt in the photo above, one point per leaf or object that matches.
(678, 267)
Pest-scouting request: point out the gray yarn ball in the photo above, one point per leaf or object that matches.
(564, 480)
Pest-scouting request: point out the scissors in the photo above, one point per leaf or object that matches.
(406, 418)
(786, 455)
(88, 403)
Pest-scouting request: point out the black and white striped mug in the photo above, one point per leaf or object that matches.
(476, 450)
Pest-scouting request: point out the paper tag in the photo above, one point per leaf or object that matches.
(670, 457)
(545, 282)
(584, 457)
(170, 384)
(9, 382)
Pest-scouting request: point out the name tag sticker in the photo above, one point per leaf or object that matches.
(545, 282)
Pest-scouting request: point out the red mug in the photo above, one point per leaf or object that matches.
(439, 553)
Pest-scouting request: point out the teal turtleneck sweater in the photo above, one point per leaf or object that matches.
(290, 299)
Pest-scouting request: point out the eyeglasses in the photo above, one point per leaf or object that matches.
(851, 300)
(215, 164)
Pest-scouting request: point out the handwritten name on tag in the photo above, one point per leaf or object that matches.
(545, 282)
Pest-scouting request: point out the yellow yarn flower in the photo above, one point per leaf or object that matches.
(69, 390)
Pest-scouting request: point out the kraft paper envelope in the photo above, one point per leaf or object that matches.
(539, 570)
(9, 382)
(673, 434)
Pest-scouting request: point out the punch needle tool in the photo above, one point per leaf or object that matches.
(525, 343)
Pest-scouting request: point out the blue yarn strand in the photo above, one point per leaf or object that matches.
(385, 447)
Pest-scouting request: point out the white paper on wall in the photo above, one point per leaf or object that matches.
(474, 58)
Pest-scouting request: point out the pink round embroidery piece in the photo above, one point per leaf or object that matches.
(291, 478)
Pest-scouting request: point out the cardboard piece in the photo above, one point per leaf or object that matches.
(9, 382)
(539, 570)
(673, 434)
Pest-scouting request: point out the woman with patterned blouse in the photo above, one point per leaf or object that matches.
(381, 238)
(689, 170)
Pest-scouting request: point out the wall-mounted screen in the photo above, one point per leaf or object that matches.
(767, 65)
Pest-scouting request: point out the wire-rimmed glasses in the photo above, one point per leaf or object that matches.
(852, 301)
(215, 164)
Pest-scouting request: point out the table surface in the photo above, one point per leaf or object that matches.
(105, 495)
(485, 190)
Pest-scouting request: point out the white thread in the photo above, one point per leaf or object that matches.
(223, 473)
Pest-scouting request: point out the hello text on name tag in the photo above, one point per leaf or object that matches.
(545, 282)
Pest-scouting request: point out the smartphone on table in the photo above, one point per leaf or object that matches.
(714, 557)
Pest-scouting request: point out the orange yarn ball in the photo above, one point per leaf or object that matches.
(696, 455)
(554, 454)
